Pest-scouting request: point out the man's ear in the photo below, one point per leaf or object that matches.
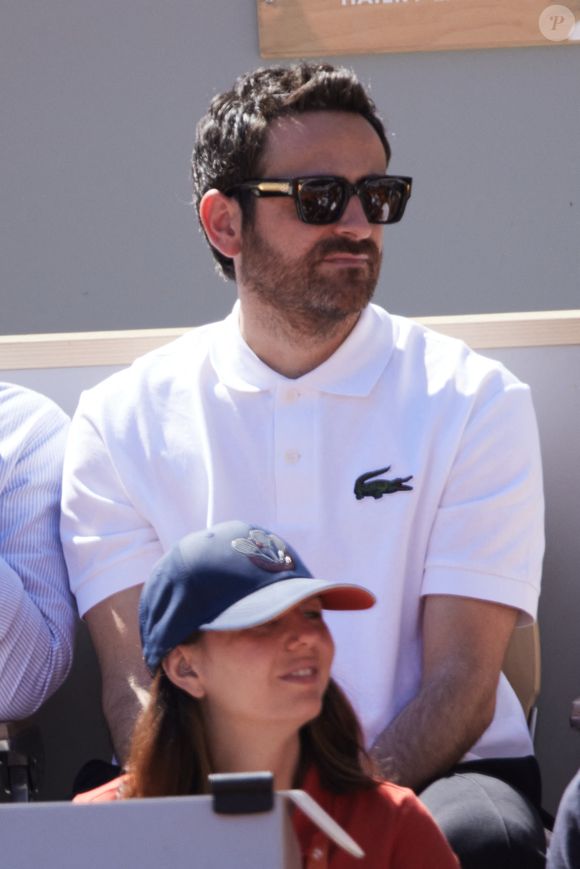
(180, 668)
(221, 218)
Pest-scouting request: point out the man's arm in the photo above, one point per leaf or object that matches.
(37, 614)
(110, 547)
(482, 572)
(464, 643)
(114, 631)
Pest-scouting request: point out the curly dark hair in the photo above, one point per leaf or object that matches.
(230, 138)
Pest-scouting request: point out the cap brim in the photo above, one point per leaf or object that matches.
(274, 599)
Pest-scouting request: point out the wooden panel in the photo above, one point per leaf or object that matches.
(87, 349)
(297, 28)
(528, 329)
(81, 349)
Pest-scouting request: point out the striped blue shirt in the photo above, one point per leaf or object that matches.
(37, 613)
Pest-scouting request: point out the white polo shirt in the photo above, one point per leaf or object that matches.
(201, 431)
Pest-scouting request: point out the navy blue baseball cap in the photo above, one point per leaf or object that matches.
(229, 577)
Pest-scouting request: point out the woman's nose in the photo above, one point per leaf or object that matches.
(302, 631)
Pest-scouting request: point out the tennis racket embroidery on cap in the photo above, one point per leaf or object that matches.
(267, 551)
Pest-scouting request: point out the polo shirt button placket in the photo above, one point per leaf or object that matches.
(292, 456)
(292, 395)
(294, 450)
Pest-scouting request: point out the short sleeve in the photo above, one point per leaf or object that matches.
(108, 543)
(487, 539)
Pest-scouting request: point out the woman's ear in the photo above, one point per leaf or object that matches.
(221, 218)
(181, 669)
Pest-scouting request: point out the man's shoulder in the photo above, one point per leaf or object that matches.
(445, 358)
(24, 402)
(183, 357)
(193, 344)
(25, 414)
(423, 336)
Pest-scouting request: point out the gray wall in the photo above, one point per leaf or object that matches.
(98, 106)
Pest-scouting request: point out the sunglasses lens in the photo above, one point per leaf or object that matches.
(320, 200)
(384, 199)
(323, 200)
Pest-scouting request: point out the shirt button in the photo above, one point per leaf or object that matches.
(291, 457)
(317, 854)
(292, 395)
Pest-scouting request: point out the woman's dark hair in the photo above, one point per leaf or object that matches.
(230, 138)
(170, 753)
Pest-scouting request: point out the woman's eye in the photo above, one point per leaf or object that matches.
(313, 614)
(266, 627)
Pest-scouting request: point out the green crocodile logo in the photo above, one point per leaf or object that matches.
(366, 487)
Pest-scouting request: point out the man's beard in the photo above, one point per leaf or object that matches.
(309, 298)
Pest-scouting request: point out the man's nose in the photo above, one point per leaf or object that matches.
(354, 221)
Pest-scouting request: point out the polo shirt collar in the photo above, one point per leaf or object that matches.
(352, 370)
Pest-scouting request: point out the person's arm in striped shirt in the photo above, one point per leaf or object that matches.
(37, 613)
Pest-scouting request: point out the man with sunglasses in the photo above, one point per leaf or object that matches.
(314, 412)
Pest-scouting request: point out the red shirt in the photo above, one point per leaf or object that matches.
(390, 824)
(394, 829)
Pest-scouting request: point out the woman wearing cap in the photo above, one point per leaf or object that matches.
(232, 631)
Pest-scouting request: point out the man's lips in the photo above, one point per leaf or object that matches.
(331, 250)
(363, 254)
(346, 259)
